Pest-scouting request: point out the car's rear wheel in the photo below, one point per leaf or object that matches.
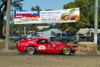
(66, 51)
(30, 50)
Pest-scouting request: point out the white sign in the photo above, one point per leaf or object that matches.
(42, 47)
(57, 16)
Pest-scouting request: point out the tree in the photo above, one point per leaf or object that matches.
(99, 15)
(3, 7)
(86, 14)
(33, 9)
(36, 8)
(69, 27)
(69, 5)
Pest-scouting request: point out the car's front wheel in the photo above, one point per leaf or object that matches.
(30, 50)
(66, 51)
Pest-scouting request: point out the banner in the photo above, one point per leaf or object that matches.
(57, 16)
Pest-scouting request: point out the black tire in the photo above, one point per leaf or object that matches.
(30, 50)
(66, 51)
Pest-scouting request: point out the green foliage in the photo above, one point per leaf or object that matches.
(86, 15)
(16, 4)
(84, 22)
(80, 3)
(69, 5)
(70, 29)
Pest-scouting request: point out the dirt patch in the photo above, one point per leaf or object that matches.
(2, 44)
(12, 51)
(45, 61)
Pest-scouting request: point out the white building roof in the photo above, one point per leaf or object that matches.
(41, 27)
(87, 30)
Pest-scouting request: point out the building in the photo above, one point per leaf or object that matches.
(50, 33)
(85, 32)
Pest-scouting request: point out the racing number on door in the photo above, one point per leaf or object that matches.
(42, 45)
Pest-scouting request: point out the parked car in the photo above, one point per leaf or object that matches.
(30, 36)
(43, 45)
(50, 33)
(15, 37)
(65, 37)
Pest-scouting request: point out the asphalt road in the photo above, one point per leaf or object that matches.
(47, 55)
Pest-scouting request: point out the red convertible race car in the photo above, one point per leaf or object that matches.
(43, 45)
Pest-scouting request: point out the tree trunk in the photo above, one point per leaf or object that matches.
(1, 26)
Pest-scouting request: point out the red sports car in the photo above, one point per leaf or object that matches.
(42, 45)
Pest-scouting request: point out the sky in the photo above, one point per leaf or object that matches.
(45, 4)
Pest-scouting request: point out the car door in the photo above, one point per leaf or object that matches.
(42, 46)
(57, 36)
(69, 37)
(53, 48)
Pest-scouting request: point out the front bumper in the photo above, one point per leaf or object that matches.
(21, 48)
(73, 50)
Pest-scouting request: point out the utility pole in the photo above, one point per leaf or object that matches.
(24, 30)
(7, 24)
(96, 21)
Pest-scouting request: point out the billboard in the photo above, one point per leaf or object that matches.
(57, 16)
(26, 17)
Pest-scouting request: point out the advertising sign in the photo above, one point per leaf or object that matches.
(26, 17)
(57, 16)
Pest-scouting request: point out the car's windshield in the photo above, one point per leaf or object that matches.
(68, 34)
(57, 35)
(63, 35)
